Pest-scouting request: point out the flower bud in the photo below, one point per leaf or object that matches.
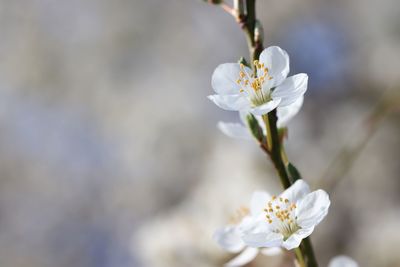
(255, 128)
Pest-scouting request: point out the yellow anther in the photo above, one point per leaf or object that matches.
(241, 90)
(241, 74)
(238, 81)
(270, 221)
(277, 207)
(271, 210)
(286, 200)
(273, 197)
(280, 199)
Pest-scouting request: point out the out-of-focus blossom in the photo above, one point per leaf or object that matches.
(285, 220)
(229, 238)
(239, 130)
(238, 88)
(342, 261)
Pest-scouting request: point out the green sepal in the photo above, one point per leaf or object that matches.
(255, 128)
(243, 61)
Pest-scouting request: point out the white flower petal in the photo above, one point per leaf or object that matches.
(285, 114)
(263, 239)
(291, 89)
(312, 208)
(274, 251)
(234, 130)
(247, 224)
(268, 85)
(291, 85)
(342, 261)
(265, 108)
(277, 62)
(246, 256)
(295, 239)
(258, 202)
(229, 239)
(256, 232)
(230, 102)
(224, 78)
(296, 191)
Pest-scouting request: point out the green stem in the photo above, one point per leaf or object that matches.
(276, 149)
(268, 127)
(248, 25)
(299, 257)
(251, 13)
(250, 19)
(307, 249)
(274, 146)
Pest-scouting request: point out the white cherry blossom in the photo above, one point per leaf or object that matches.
(238, 88)
(342, 261)
(229, 238)
(239, 130)
(284, 220)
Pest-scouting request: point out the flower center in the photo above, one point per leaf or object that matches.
(280, 213)
(252, 85)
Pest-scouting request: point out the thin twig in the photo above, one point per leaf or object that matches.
(350, 152)
(228, 9)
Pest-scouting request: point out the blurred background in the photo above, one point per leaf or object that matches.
(110, 155)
